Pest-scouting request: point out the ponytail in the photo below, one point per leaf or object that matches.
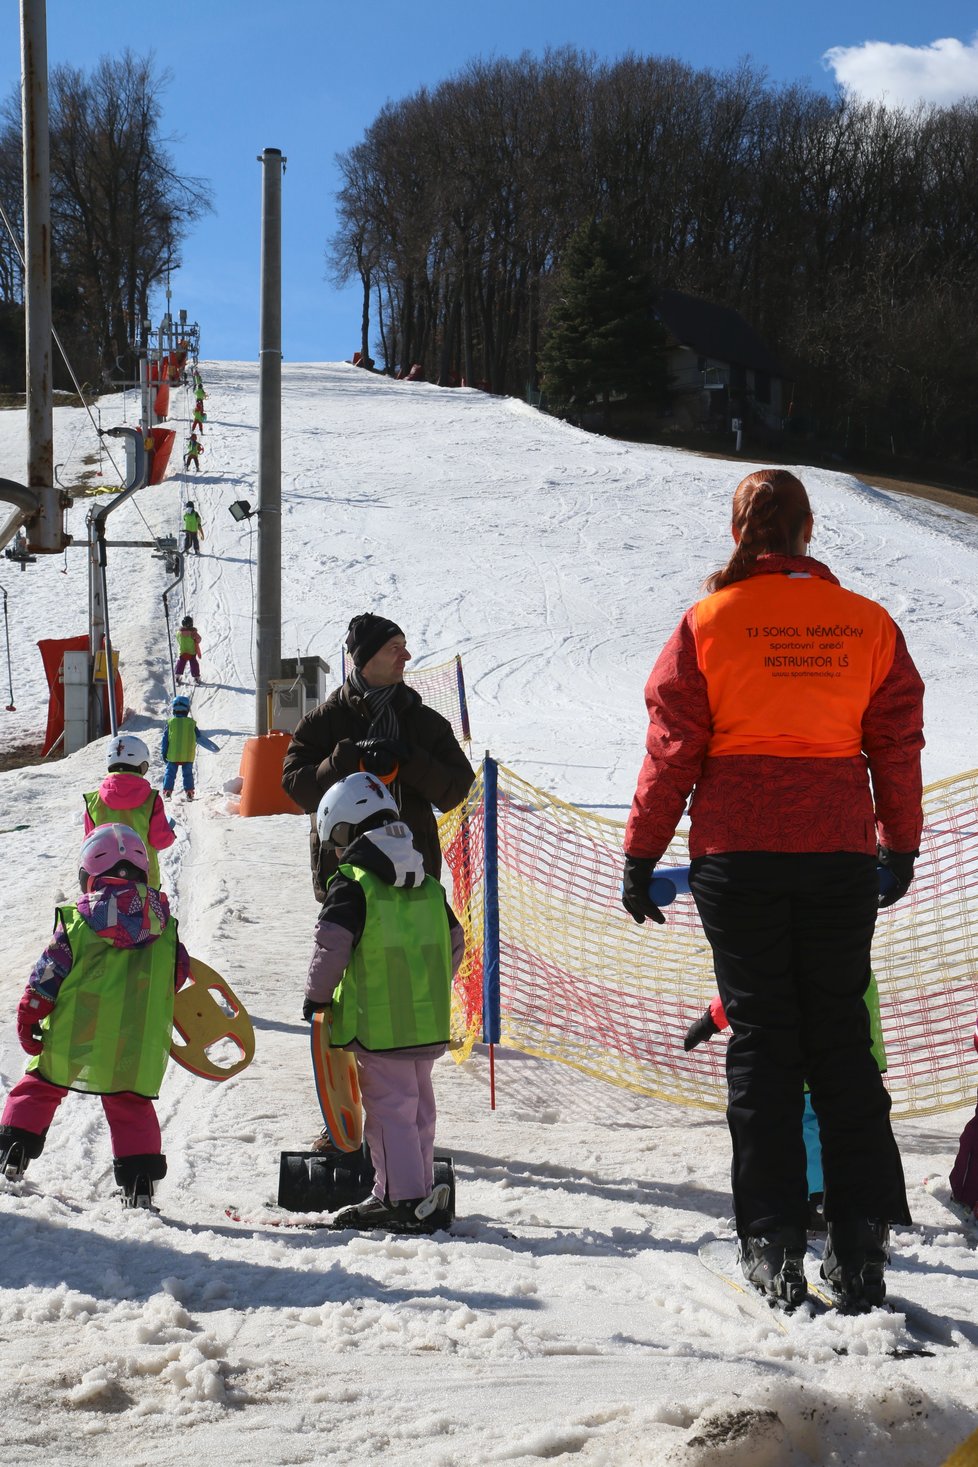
(770, 508)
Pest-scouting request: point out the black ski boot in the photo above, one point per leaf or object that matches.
(17, 1148)
(417, 1215)
(855, 1258)
(136, 1175)
(774, 1264)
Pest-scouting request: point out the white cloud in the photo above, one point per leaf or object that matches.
(944, 72)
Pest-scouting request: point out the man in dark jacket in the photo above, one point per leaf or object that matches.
(374, 722)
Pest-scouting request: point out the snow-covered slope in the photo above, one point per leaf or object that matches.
(569, 1315)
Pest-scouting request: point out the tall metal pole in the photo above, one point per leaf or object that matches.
(268, 623)
(45, 532)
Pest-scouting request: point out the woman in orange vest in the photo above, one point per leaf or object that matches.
(777, 698)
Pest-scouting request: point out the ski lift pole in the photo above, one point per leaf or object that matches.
(10, 671)
(177, 568)
(136, 476)
(99, 529)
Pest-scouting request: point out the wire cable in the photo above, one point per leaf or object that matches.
(58, 342)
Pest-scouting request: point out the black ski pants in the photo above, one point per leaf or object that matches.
(791, 937)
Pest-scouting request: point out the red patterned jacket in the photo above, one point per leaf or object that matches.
(761, 802)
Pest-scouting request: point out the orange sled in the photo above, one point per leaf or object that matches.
(337, 1087)
(205, 1012)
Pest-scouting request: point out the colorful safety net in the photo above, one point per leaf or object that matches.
(579, 982)
(443, 688)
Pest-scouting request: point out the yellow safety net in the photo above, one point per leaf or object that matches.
(580, 982)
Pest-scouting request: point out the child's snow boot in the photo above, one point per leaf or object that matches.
(136, 1175)
(17, 1148)
(857, 1251)
(325, 1147)
(774, 1264)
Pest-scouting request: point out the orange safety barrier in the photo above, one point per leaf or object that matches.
(160, 453)
(261, 776)
(161, 402)
(52, 655)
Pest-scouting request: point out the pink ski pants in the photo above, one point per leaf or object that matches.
(399, 1123)
(133, 1125)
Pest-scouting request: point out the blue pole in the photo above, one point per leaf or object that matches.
(490, 921)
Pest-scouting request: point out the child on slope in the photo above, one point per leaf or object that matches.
(179, 747)
(714, 1019)
(125, 797)
(97, 1012)
(188, 646)
(387, 947)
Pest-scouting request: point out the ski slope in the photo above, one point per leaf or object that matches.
(569, 1317)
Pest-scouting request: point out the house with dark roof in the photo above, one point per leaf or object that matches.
(720, 368)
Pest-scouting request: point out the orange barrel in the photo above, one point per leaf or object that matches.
(261, 776)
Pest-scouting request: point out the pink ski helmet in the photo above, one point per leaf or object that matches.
(112, 850)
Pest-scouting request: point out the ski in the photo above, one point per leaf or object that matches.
(271, 1220)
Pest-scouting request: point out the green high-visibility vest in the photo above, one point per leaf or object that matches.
(191, 522)
(110, 1029)
(181, 740)
(137, 819)
(186, 642)
(396, 990)
(872, 1000)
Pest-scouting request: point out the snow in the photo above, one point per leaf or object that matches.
(568, 1317)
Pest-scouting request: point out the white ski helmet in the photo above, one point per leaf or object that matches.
(125, 749)
(110, 846)
(358, 803)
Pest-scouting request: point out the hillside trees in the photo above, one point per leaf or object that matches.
(846, 233)
(119, 207)
(602, 340)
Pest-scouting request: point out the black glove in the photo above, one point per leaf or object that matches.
(309, 1008)
(701, 1029)
(900, 866)
(381, 756)
(635, 890)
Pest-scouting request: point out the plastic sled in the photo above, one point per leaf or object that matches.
(311, 1182)
(337, 1087)
(201, 1021)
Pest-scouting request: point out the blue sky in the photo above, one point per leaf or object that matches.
(308, 76)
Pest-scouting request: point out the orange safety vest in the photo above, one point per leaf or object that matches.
(791, 662)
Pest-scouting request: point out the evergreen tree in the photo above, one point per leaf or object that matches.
(602, 339)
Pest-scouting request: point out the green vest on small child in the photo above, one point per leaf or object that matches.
(181, 740)
(110, 1029)
(397, 988)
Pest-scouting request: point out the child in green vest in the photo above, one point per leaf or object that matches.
(97, 1013)
(188, 645)
(125, 797)
(387, 945)
(192, 452)
(193, 529)
(179, 748)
